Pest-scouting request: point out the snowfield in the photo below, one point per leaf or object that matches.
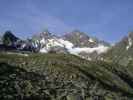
(129, 43)
(100, 49)
(70, 47)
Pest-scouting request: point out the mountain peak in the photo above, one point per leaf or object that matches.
(78, 33)
(81, 39)
(45, 34)
(130, 34)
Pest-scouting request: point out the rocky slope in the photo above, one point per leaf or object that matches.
(121, 52)
(62, 77)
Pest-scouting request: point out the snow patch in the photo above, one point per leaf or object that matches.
(55, 42)
(43, 41)
(100, 49)
(91, 40)
(43, 50)
(129, 43)
(70, 47)
(67, 44)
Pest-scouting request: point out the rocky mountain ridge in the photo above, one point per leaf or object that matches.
(77, 43)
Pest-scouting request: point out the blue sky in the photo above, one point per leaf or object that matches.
(109, 20)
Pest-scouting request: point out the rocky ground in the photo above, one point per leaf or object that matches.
(62, 77)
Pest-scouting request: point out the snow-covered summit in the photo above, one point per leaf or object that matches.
(88, 45)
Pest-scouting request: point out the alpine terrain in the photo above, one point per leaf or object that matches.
(74, 66)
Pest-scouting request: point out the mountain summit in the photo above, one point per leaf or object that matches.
(80, 39)
(76, 43)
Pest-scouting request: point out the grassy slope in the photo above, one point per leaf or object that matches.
(59, 76)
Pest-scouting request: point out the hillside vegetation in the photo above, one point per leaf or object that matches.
(62, 77)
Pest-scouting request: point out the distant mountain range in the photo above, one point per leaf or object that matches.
(77, 43)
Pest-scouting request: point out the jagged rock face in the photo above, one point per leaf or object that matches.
(131, 35)
(43, 35)
(87, 47)
(27, 45)
(40, 39)
(80, 39)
